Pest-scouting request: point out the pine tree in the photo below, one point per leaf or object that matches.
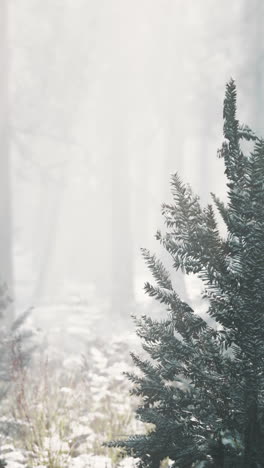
(202, 384)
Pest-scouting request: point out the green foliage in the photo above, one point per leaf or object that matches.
(202, 387)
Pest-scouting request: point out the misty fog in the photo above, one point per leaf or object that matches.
(106, 101)
(100, 102)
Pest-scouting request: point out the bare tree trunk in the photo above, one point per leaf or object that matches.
(48, 220)
(121, 235)
(122, 268)
(6, 270)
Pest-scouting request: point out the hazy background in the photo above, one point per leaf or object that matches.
(100, 101)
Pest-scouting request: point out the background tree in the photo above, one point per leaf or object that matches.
(6, 270)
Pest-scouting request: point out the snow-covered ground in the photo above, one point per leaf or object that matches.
(62, 410)
(76, 397)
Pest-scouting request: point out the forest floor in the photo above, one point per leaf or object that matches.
(74, 397)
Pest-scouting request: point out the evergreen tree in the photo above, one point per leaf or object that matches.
(202, 386)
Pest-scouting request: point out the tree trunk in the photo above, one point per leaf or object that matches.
(6, 270)
(47, 221)
(118, 112)
(121, 236)
(252, 435)
(219, 460)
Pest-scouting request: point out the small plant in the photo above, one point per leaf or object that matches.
(44, 411)
(63, 413)
(16, 345)
(111, 409)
